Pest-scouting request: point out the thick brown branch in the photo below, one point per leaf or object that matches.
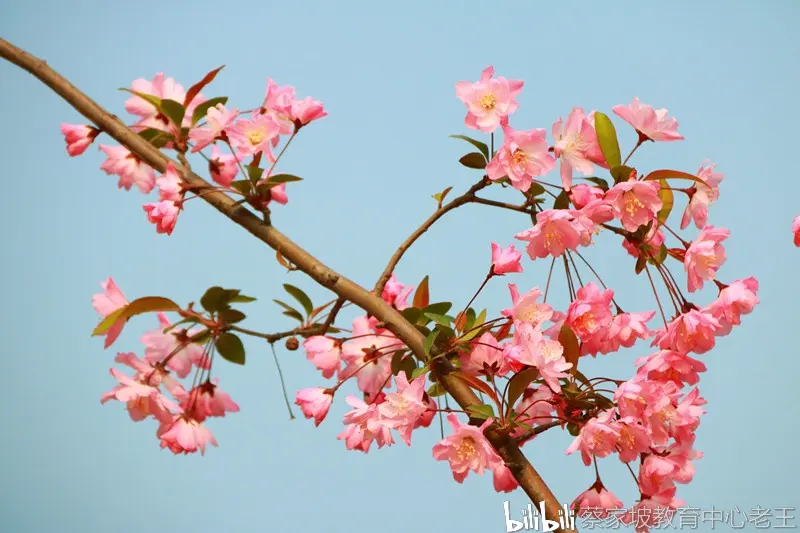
(522, 470)
(439, 213)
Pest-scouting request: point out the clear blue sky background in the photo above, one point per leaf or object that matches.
(726, 70)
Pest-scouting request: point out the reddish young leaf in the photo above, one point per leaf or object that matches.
(421, 296)
(195, 89)
(572, 350)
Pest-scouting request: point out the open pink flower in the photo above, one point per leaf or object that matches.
(485, 358)
(218, 119)
(222, 167)
(315, 403)
(142, 400)
(369, 356)
(522, 157)
(531, 348)
(129, 168)
(325, 353)
(668, 365)
(160, 345)
(595, 502)
(633, 439)
(401, 409)
(185, 435)
(693, 331)
(627, 328)
(737, 299)
(152, 374)
(526, 307)
(796, 230)
(163, 214)
(396, 294)
(489, 101)
(250, 136)
(78, 137)
(505, 261)
(110, 300)
(556, 231)
(598, 437)
(307, 110)
(277, 104)
(701, 196)
(364, 425)
(466, 449)
(635, 203)
(502, 478)
(169, 185)
(575, 145)
(590, 311)
(582, 194)
(160, 87)
(207, 399)
(704, 256)
(651, 123)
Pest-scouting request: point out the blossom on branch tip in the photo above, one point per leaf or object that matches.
(737, 299)
(163, 214)
(105, 303)
(651, 123)
(78, 137)
(489, 100)
(556, 231)
(466, 449)
(701, 195)
(522, 157)
(251, 136)
(505, 261)
(128, 167)
(184, 435)
(704, 256)
(396, 294)
(596, 502)
(315, 403)
(635, 203)
(576, 146)
(306, 110)
(218, 119)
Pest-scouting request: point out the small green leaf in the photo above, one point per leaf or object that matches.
(440, 308)
(535, 190)
(517, 385)
(254, 173)
(471, 317)
(232, 316)
(668, 199)
(660, 256)
(429, 340)
(300, 296)
(421, 296)
(603, 184)
(402, 362)
(243, 186)
(297, 316)
(607, 137)
(440, 196)
(154, 100)
(436, 390)
(621, 173)
(419, 371)
(201, 337)
(573, 429)
(230, 347)
(481, 412)
(412, 314)
(657, 175)
(202, 110)
(473, 160)
(641, 262)
(217, 299)
(277, 179)
(195, 89)
(147, 304)
(481, 318)
(156, 137)
(484, 149)
(173, 110)
(439, 319)
(242, 299)
(562, 201)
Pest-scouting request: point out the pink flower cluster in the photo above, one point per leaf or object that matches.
(168, 357)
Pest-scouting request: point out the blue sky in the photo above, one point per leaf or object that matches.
(726, 70)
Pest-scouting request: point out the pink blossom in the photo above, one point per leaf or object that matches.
(667, 365)
(160, 345)
(590, 312)
(737, 299)
(163, 214)
(595, 502)
(466, 449)
(535, 407)
(505, 261)
(307, 110)
(315, 403)
(502, 478)
(207, 399)
(160, 87)
(78, 137)
(655, 474)
(169, 185)
(582, 194)
(522, 157)
(575, 145)
(364, 425)
(627, 328)
(277, 194)
(325, 353)
(650, 513)
(185, 435)
(526, 308)
(598, 437)
(396, 294)
(142, 400)
(152, 374)
(701, 196)
(128, 167)
(704, 256)
(109, 301)
(250, 136)
(530, 348)
(796, 230)
(277, 104)
(222, 167)
(633, 439)
(635, 203)
(218, 119)
(368, 356)
(486, 357)
(693, 331)
(595, 212)
(556, 231)
(401, 409)
(426, 418)
(489, 101)
(651, 123)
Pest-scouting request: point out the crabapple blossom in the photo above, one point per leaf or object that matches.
(206, 400)
(277, 104)
(325, 353)
(576, 146)
(222, 167)
(486, 357)
(651, 123)
(530, 348)
(185, 435)
(527, 308)
(78, 137)
(396, 294)
(106, 303)
(505, 261)
(704, 256)
(315, 403)
(556, 231)
(363, 425)
(489, 101)
(251, 136)
(466, 449)
(182, 355)
(163, 214)
(522, 157)
(701, 196)
(737, 299)
(596, 502)
(306, 110)
(128, 167)
(635, 203)
(218, 120)
(597, 438)
(401, 409)
(796, 230)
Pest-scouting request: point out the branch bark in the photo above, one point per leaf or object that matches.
(523, 471)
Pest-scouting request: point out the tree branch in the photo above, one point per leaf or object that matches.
(310, 331)
(504, 205)
(439, 213)
(523, 471)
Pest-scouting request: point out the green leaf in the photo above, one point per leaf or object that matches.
(517, 385)
(535, 190)
(440, 308)
(439, 319)
(603, 184)
(429, 340)
(660, 256)
(195, 89)
(147, 304)
(436, 390)
(297, 316)
(562, 201)
(254, 173)
(572, 349)
(154, 100)
(419, 371)
(230, 347)
(421, 296)
(277, 179)
(202, 110)
(668, 199)
(607, 137)
(156, 137)
(201, 337)
(242, 299)
(473, 160)
(301, 297)
(672, 174)
(621, 173)
(232, 316)
(573, 429)
(402, 362)
(641, 262)
(289, 310)
(470, 319)
(481, 412)
(173, 110)
(484, 149)
(440, 196)
(412, 314)
(243, 186)
(481, 318)
(218, 299)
